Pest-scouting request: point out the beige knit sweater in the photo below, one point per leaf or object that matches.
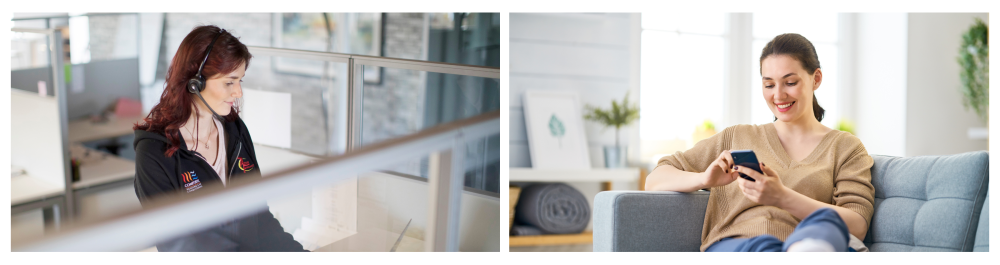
(837, 172)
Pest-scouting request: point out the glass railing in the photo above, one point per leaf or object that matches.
(297, 103)
(399, 102)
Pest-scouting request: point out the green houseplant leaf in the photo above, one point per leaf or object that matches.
(620, 114)
(973, 58)
(846, 125)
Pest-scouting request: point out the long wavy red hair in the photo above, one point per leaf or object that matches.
(176, 103)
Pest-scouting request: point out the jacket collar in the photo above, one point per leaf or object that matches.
(233, 130)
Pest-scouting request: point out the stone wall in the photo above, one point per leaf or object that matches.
(395, 107)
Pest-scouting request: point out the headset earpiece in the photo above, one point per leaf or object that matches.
(195, 85)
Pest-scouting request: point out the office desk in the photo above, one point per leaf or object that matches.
(26, 189)
(98, 168)
(29, 193)
(83, 130)
(100, 173)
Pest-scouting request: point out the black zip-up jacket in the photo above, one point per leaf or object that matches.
(186, 172)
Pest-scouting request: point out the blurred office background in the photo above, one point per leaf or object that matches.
(117, 62)
(893, 76)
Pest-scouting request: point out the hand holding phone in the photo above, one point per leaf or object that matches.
(746, 158)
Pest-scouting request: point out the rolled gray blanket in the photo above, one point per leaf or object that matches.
(553, 208)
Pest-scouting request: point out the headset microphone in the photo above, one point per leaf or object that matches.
(197, 84)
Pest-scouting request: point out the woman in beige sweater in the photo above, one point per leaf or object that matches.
(815, 193)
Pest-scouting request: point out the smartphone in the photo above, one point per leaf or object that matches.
(746, 158)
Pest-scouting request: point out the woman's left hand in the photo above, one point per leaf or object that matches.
(766, 190)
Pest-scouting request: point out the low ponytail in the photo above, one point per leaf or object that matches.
(817, 110)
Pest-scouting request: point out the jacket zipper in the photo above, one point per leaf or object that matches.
(239, 147)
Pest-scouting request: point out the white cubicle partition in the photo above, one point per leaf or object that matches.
(36, 142)
(268, 115)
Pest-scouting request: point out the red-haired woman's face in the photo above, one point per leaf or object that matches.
(788, 88)
(222, 90)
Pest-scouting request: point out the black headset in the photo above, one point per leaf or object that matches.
(197, 83)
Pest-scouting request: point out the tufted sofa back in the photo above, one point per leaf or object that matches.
(928, 203)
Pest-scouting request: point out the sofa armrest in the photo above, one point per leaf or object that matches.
(983, 233)
(649, 220)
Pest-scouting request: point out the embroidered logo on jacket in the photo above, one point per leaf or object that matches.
(191, 182)
(244, 165)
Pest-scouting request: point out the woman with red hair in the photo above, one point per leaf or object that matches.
(195, 138)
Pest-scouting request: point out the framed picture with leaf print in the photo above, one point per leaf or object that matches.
(554, 125)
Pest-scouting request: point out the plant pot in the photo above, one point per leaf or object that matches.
(615, 157)
(701, 134)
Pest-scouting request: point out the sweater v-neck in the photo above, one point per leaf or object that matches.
(779, 150)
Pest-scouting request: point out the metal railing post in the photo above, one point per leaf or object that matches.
(59, 89)
(355, 87)
(446, 174)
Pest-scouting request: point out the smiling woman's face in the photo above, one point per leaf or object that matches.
(221, 91)
(788, 88)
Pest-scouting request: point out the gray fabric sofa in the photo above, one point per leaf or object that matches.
(926, 203)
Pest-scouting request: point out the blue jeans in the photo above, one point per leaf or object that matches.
(823, 224)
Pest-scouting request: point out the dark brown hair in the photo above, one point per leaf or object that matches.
(801, 49)
(175, 106)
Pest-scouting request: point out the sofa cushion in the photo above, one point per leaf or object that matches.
(928, 203)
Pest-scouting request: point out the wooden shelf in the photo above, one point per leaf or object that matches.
(579, 175)
(544, 240)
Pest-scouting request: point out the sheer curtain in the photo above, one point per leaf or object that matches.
(681, 78)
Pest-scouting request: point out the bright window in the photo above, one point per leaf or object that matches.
(822, 30)
(681, 78)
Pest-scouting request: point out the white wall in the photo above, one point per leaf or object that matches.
(907, 99)
(149, 48)
(880, 84)
(595, 55)
(936, 121)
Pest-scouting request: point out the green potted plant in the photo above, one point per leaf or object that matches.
(617, 116)
(846, 125)
(973, 58)
(703, 131)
